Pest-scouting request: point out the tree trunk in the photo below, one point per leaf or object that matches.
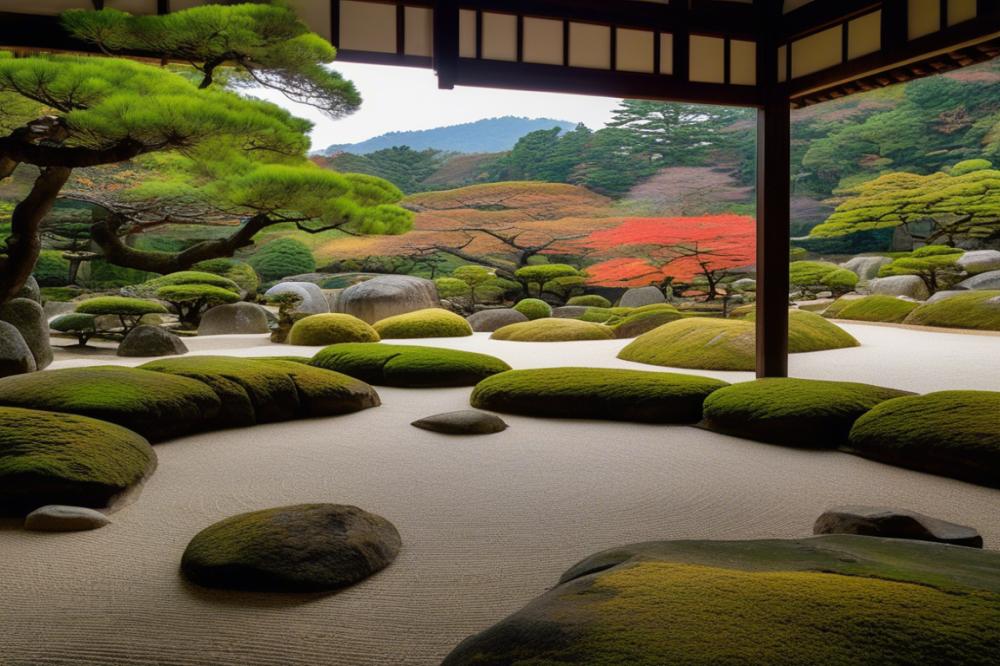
(25, 243)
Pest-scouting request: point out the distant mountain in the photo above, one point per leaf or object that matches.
(492, 135)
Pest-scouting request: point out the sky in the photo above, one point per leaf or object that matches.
(405, 98)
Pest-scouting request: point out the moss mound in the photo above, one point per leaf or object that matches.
(643, 320)
(978, 310)
(590, 300)
(552, 330)
(793, 412)
(534, 308)
(254, 392)
(837, 600)
(120, 305)
(50, 458)
(429, 323)
(951, 433)
(878, 308)
(155, 406)
(810, 332)
(833, 310)
(331, 329)
(189, 278)
(408, 366)
(595, 393)
(302, 548)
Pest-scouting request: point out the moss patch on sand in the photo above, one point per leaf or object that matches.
(878, 308)
(552, 330)
(408, 365)
(331, 329)
(429, 323)
(596, 393)
(979, 310)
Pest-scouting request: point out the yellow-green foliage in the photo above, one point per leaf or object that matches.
(189, 278)
(408, 365)
(877, 308)
(975, 309)
(834, 309)
(552, 330)
(590, 300)
(795, 412)
(157, 407)
(594, 393)
(120, 305)
(330, 329)
(429, 323)
(809, 332)
(50, 458)
(832, 600)
(810, 273)
(643, 320)
(952, 433)
(534, 308)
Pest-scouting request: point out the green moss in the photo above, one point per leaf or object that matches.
(594, 393)
(793, 412)
(534, 308)
(190, 278)
(50, 458)
(810, 332)
(978, 310)
(878, 308)
(643, 320)
(155, 406)
(83, 326)
(282, 257)
(552, 330)
(590, 300)
(841, 280)
(60, 294)
(597, 315)
(325, 392)
(429, 323)
(837, 600)
(952, 433)
(330, 329)
(120, 305)
(810, 273)
(192, 293)
(239, 272)
(408, 366)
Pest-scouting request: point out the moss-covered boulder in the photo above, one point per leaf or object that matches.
(644, 320)
(951, 433)
(590, 300)
(428, 323)
(878, 308)
(978, 310)
(728, 344)
(302, 548)
(408, 366)
(833, 600)
(533, 308)
(596, 393)
(805, 413)
(263, 391)
(157, 407)
(552, 330)
(50, 458)
(331, 329)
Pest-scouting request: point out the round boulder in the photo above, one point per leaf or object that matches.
(910, 286)
(488, 321)
(866, 268)
(234, 319)
(29, 319)
(312, 300)
(31, 290)
(891, 523)
(463, 422)
(149, 341)
(979, 261)
(15, 355)
(59, 518)
(636, 298)
(387, 296)
(984, 281)
(302, 548)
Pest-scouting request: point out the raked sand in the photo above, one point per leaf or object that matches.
(487, 523)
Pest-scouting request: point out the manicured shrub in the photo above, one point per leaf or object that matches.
(331, 329)
(794, 412)
(878, 308)
(191, 301)
(239, 272)
(978, 310)
(50, 458)
(128, 310)
(951, 433)
(281, 258)
(598, 315)
(533, 308)
(157, 407)
(189, 278)
(590, 300)
(83, 326)
(841, 281)
(428, 323)
(552, 330)
(408, 366)
(810, 273)
(596, 393)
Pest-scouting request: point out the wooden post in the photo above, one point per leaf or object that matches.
(446, 42)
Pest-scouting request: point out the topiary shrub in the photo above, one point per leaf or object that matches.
(552, 330)
(191, 301)
(951, 433)
(533, 308)
(157, 407)
(330, 329)
(239, 272)
(810, 273)
(281, 258)
(82, 326)
(878, 308)
(150, 287)
(590, 300)
(128, 310)
(841, 281)
(978, 310)
(408, 366)
(597, 393)
(804, 413)
(50, 458)
(428, 323)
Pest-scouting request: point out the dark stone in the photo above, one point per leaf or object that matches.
(31, 290)
(148, 341)
(15, 355)
(464, 422)
(235, 319)
(487, 321)
(894, 524)
(569, 311)
(29, 319)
